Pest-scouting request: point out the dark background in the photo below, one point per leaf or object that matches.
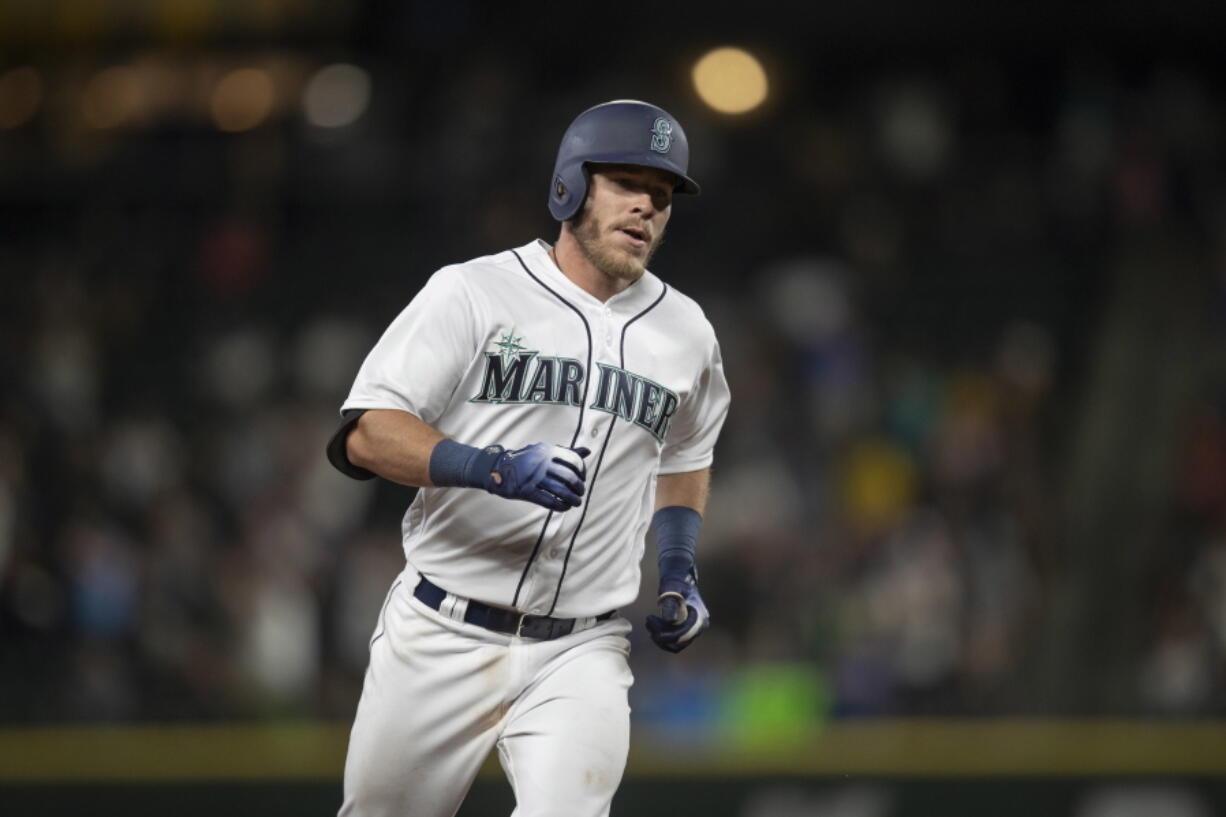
(967, 266)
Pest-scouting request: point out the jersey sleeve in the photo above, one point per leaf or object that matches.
(691, 438)
(421, 358)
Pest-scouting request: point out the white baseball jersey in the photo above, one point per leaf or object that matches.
(507, 350)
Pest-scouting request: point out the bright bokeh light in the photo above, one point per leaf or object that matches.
(21, 91)
(730, 80)
(242, 100)
(112, 97)
(336, 96)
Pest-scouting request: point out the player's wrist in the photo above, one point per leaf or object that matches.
(454, 464)
(676, 530)
(675, 565)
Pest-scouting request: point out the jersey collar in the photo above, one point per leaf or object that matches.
(630, 300)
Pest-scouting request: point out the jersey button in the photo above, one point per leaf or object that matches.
(595, 431)
(555, 554)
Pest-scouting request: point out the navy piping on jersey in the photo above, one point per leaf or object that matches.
(591, 488)
(587, 379)
(383, 614)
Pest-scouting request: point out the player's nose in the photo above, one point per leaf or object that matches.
(643, 204)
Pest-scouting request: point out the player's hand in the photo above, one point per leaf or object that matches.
(683, 615)
(551, 476)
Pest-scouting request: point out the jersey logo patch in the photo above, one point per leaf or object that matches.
(510, 346)
(661, 135)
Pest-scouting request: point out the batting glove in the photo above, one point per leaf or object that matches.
(683, 615)
(551, 476)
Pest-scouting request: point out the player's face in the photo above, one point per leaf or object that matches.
(623, 221)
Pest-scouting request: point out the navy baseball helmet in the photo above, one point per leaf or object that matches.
(626, 132)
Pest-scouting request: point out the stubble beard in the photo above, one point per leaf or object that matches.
(617, 265)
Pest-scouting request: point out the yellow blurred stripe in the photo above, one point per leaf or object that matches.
(973, 748)
(886, 748)
(156, 753)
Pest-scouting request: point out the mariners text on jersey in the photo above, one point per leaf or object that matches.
(529, 377)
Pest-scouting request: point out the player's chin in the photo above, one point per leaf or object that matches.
(633, 261)
(617, 263)
(633, 269)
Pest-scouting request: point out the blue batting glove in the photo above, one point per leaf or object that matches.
(551, 476)
(683, 615)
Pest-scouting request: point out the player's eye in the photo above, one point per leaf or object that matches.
(661, 195)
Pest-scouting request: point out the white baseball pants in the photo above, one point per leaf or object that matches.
(440, 693)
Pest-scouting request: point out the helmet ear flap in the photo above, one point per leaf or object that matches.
(569, 191)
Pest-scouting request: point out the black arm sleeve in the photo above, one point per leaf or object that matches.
(336, 446)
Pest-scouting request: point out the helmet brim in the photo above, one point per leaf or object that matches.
(685, 184)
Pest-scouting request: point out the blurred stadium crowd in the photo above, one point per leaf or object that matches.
(911, 273)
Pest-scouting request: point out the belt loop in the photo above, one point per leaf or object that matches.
(519, 627)
(453, 607)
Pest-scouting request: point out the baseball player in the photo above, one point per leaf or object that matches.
(552, 402)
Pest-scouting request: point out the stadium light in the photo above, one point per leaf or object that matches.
(730, 80)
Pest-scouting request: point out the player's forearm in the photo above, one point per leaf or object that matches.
(680, 501)
(401, 448)
(688, 490)
(395, 445)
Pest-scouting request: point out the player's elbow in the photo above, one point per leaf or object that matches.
(359, 447)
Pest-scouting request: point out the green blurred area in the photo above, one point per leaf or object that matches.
(780, 706)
